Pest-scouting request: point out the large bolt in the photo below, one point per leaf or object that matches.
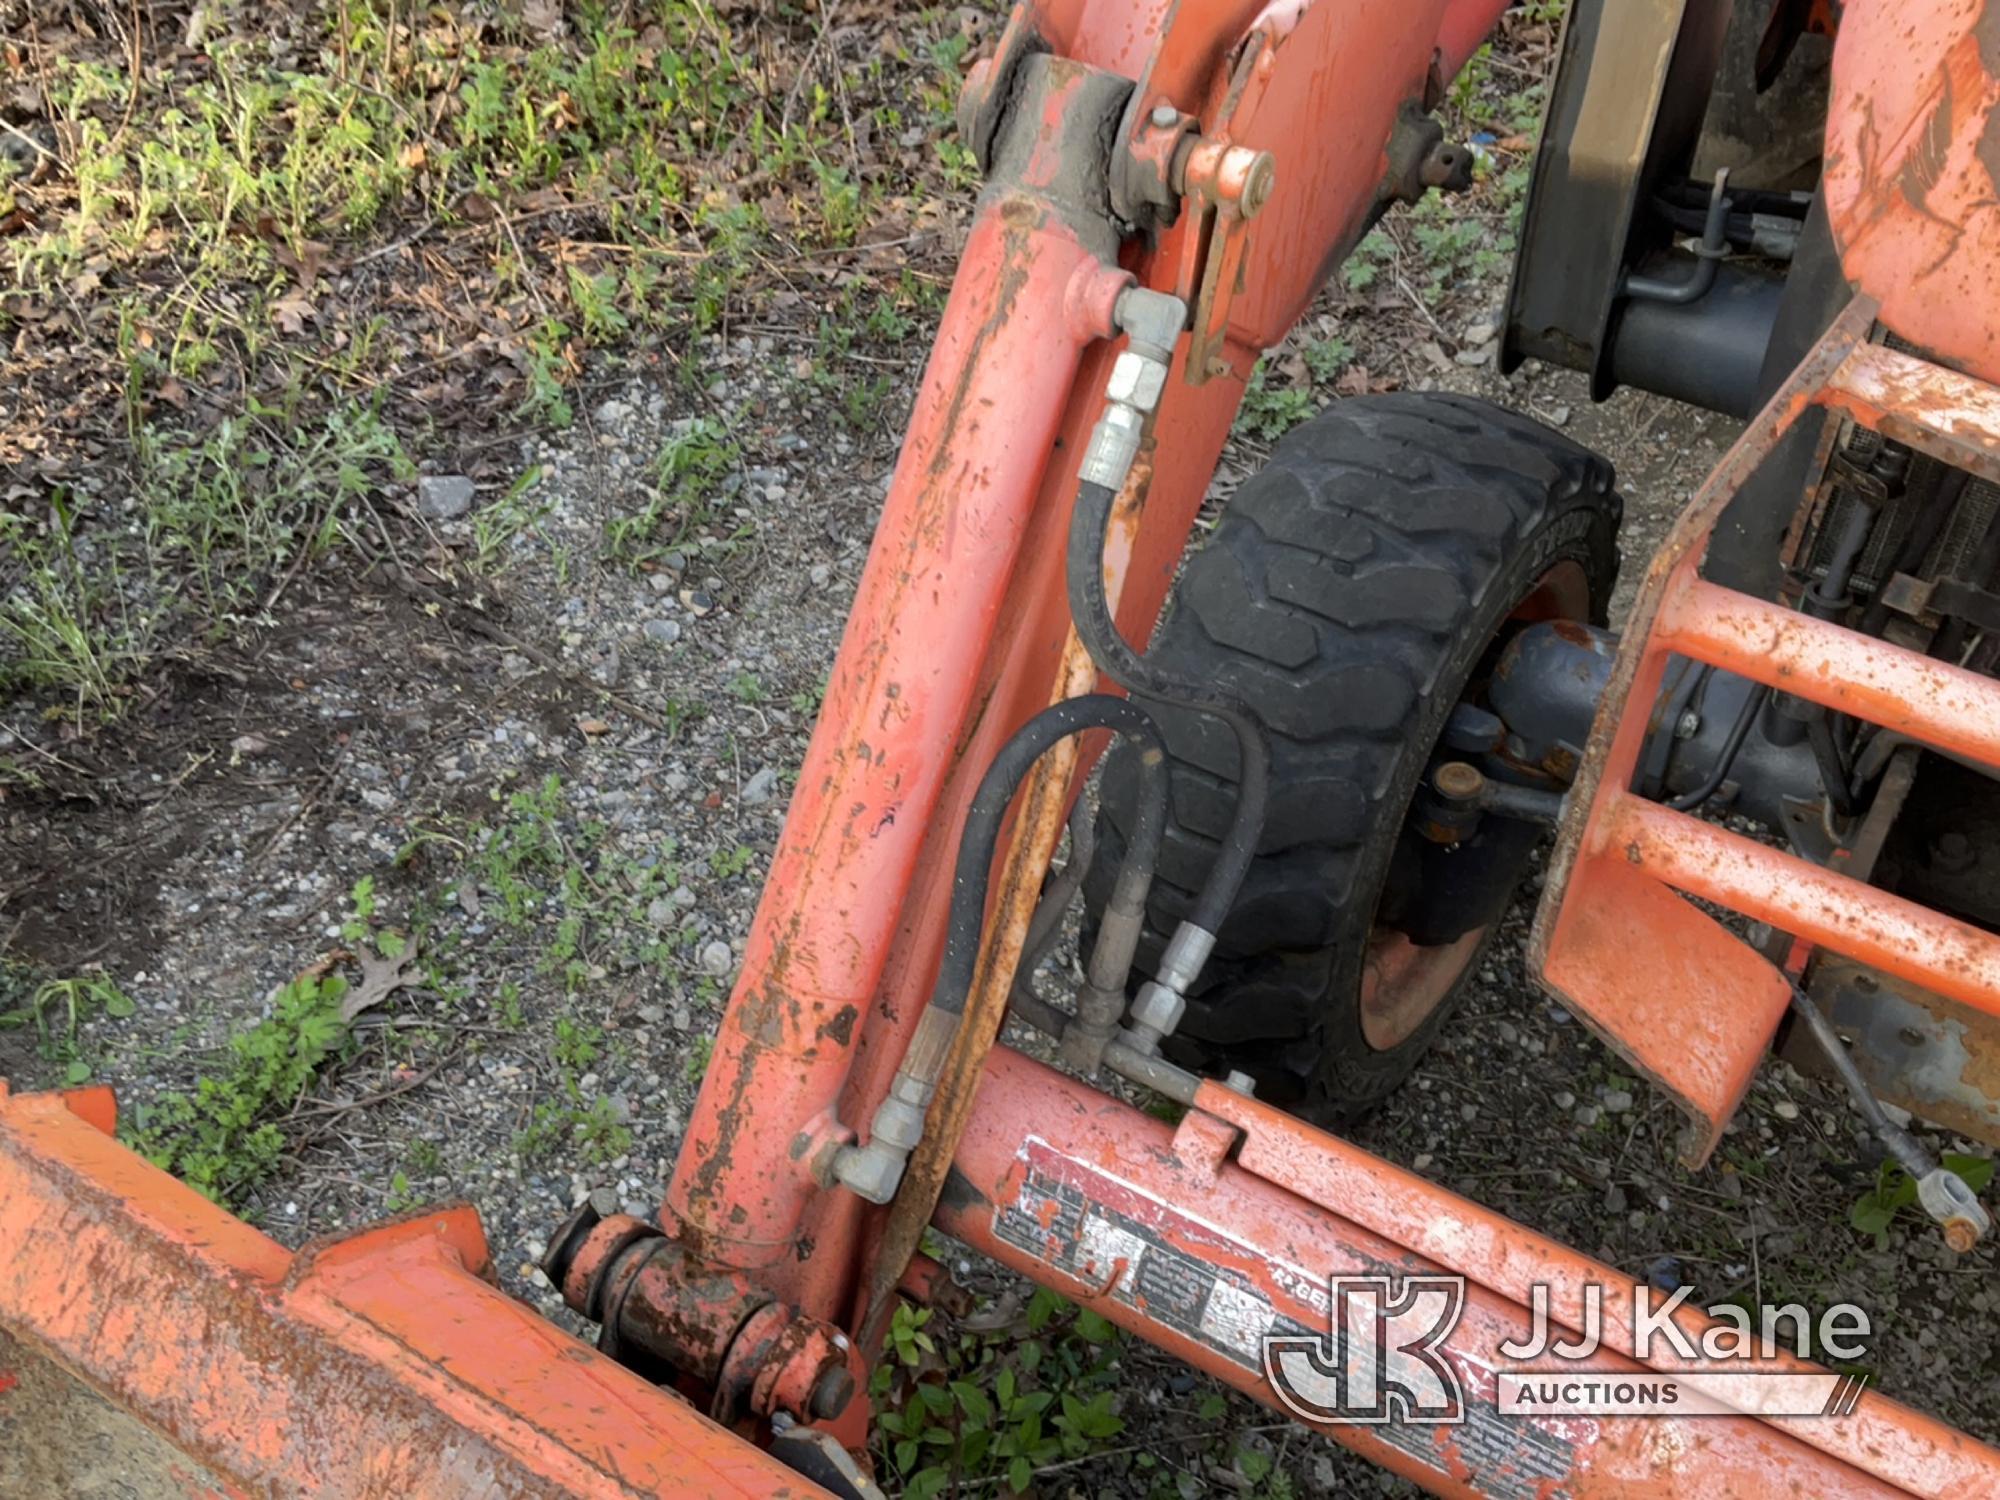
(831, 1392)
(1257, 186)
(1165, 116)
(1952, 852)
(1458, 781)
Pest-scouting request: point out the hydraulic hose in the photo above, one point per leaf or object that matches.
(1046, 924)
(1098, 629)
(989, 807)
(875, 1170)
(1739, 731)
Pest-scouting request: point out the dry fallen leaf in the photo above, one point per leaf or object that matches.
(304, 263)
(541, 201)
(293, 311)
(380, 978)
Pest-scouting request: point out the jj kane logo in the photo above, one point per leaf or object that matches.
(1386, 1356)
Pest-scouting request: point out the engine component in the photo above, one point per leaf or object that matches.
(1709, 741)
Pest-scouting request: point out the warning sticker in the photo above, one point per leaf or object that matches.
(1226, 1295)
(1153, 1257)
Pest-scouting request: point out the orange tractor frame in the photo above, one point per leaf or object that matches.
(1222, 157)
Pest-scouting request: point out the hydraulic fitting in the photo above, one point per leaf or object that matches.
(875, 1170)
(1152, 323)
(1186, 952)
(1114, 444)
(1162, 1001)
(1156, 1011)
(1948, 1198)
(1136, 381)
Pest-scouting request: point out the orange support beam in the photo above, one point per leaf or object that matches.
(1836, 911)
(1134, 1219)
(1946, 706)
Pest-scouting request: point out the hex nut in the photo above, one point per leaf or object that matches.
(1158, 1008)
(1136, 381)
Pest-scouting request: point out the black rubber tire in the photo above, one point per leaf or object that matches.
(1347, 596)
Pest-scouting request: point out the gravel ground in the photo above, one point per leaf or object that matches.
(549, 1037)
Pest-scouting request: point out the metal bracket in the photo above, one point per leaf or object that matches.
(982, 101)
(1227, 186)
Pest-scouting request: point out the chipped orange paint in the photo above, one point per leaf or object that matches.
(1882, 1438)
(385, 1357)
(837, 908)
(1945, 706)
(1291, 1206)
(1698, 1016)
(1036, 829)
(377, 1366)
(1912, 171)
(1884, 931)
(943, 556)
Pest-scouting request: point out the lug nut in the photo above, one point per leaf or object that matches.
(1166, 116)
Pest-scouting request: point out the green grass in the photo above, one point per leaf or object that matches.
(687, 481)
(300, 248)
(55, 1009)
(562, 905)
(224, 1136)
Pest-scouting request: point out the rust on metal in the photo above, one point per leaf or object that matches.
(1945, 413)
(930, 1284)
(749, 1198)
(1917, 1049)
(663, 1312)
(1226, 186)
(1661, 1017)
(1037, 829)
(1403, 982)
(880, 754)
(1882, 1438)
(1666, 1022)
(1827, 908)
(1044, 1154)
(1911, 175)
(380, 1365)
